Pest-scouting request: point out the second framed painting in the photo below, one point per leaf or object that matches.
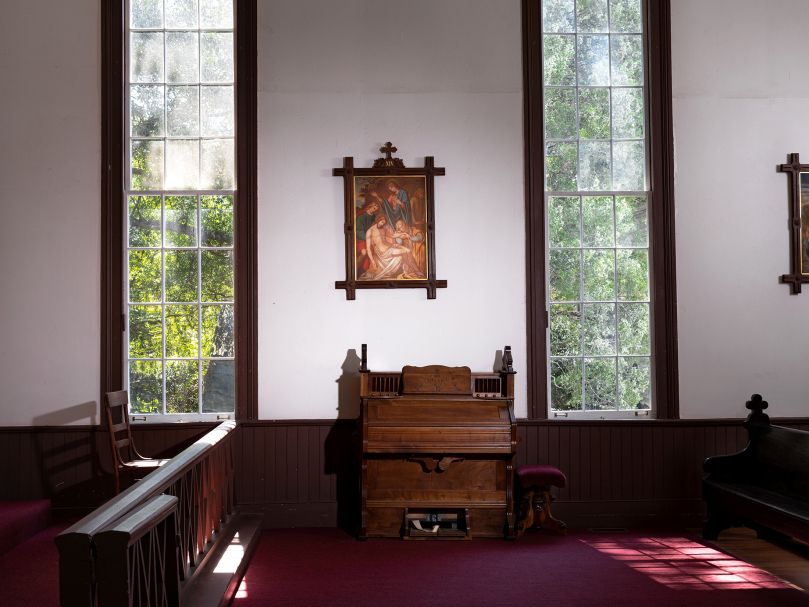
(389, 225)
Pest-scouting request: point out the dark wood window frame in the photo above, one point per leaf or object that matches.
(113, 99)
(661, 148)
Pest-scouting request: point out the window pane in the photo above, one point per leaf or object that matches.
(144, 221)
(182, 110)
(594, 113)
(182, 164)
(181, 276)
(182, 59)
(145, 276)
(181, 13)
(565, 275)
(146, 13)
(627, 63)
(561, 166)
(599, 275)
(594, 157)
(599, 329)
(181, 221)
(598, 222)
(635, 383)
(566, 384)
(182, 386)
(146, 386)
(559, 56)
(557, 16)
(565, 329)
(629, 159)
(632, 221)
(145, 332)
(147, 165)
(217, 56)
(599, 384)
(217, 164)
(181, 332)
(560, 113)
(218, 331)
(633, 328)
(563, 221)
(625, 16)
(217, 110)
(217, 221)
(217, 13)
(146, 110)
(633, 275)
(593, 61)
(146, 57)
(627, 113)
(217, 276)
(591, 15)
(218, 386)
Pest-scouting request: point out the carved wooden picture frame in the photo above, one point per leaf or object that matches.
(798, 222)
(389, 225)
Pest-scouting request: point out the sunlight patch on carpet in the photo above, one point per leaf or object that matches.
(682, 564)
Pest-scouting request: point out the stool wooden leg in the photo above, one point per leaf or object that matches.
(525, 513)
(543, 516)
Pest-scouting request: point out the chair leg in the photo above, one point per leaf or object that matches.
(117, 480)
(543, 516)
(525, 513)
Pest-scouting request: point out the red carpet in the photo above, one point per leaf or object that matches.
(22, 520)
(304, 567)
(29, 574)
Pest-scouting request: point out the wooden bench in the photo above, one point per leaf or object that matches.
(765, 486)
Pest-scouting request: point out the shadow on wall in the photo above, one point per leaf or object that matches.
(348, 387)
(341, 447)
(60, 452)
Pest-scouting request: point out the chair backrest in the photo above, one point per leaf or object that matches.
(117, 407)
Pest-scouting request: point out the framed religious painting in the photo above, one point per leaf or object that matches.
(798, 222)
(389, 225)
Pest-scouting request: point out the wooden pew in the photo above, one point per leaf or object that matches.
(765, 486)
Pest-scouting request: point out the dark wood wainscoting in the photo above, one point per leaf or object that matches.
(72, 465)
(304, 472)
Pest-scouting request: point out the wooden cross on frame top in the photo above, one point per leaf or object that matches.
(387, 161)
(799, 174)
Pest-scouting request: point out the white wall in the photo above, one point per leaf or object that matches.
(339, 79)
(49, 211)
(436, 77)
(741, 97)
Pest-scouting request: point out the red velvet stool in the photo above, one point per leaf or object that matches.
(534, 505)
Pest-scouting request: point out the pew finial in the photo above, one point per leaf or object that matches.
(757, 405)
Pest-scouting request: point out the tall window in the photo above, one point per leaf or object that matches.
(597, 195)
(179, 198)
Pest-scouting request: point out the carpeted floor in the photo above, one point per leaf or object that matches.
(305, 567)
(30, 572)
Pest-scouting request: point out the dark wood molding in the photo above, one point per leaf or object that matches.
(245, 207)
(246, 210)
(277, 423)
(663, 270)
(663, 237)
(112, 187)
(536, 317)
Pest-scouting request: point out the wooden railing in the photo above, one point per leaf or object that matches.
(171, 534)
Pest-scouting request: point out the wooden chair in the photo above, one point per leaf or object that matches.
(534, 504)
(134, 461)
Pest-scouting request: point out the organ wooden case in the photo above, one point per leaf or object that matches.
(437, 441)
